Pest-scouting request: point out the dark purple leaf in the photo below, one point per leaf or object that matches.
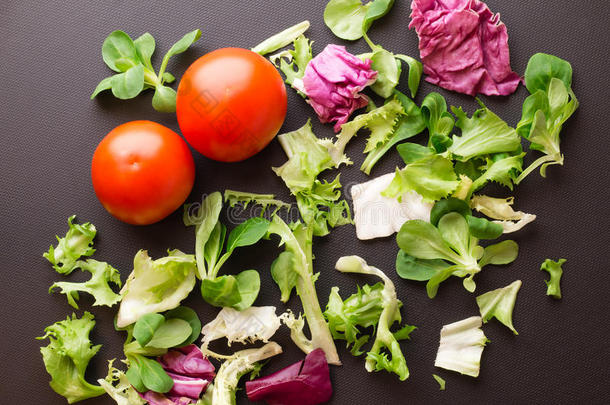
(304, 383)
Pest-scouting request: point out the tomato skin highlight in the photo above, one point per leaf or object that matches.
(230, 104)
(142, 172)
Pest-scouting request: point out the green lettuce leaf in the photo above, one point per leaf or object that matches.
(350, 19)
(293, 62)
(554, 268)
(499, 304)
(552, 101)
(98, 285)
(156, 286)
(77, 242)
(501, 171)
(117, 386)
(432, 177)
(281, 39)
(67, 356)
(386, 342)
(438, 121)
(483, 134)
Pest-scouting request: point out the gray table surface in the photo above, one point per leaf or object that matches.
(50, 62)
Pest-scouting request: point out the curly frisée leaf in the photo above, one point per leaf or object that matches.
(461, 346)
(98, 286)
(385, 342)
(77, 242)
(499, 304)
(67, 355)
(117, 386)
(156, 286)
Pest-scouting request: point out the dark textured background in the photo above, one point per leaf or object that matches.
(50, 61)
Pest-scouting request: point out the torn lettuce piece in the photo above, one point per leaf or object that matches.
(98, 285)
(293, 62)
(281, 39)
(432, 177)
(264, 200)
(77, 242)
(483, 134)
(451, 241)
(552, 101)
(117, 386)
(319, 202)
(350, 19)
(501, 171)
(440, 380)
(377, 216)
(385, 340)
(249, 325)
(438, 120)
(554, 268)
(156, 286)
(409, 124)
(381, 122)
(502, 211)
(67, 356)
(234, 367)
(461, 346)
(499, 304)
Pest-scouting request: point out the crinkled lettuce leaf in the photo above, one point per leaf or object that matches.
(461, 346)
(293, 62)
(499, 304)
(156, 285)
(117, 386)
(386, 342)
(77, 242)
(67, 355)
(98, 285)
(249, 325)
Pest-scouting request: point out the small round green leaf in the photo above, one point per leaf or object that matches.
(190, 316)
(248, 284)
(446, 206)
(171, 333)
(146, 326)
(164, 99)
(116, 46)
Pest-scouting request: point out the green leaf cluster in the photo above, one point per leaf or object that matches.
(67, 356)
(77, 242)
(131, 59)
(375, 306)
(551, 102)
(449, 246)
(235, 291)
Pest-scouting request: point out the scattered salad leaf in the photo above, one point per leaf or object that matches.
(350, 19)
(376, 215)
(461, 346)
(67, 355)
(234, 367)
(554, 268)
(411, 268)
(281, 39)
(438, 120)
(451, 242)
(333, 81)
(131, 59)
(294, 62)
(441, 382)
(552, 101)
(464, 46)
(483, 134)
(117, 386)
(98, 285)
(500, 171)
(499, 304)
(306, 382)
(247, 326)
(156, 286)
(145, 328)
(501, 210)
(385, 340)
(77, 242)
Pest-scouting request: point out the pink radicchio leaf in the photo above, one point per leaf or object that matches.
(464, 46)
(333, 81)
(154, 398)
(191, 387)
(304, 383)
(188, 361)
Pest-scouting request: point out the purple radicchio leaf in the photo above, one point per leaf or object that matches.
(464, 46)
(333, 81)
(304, 383)
(188, 361)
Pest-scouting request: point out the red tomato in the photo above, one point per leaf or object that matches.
(142, 172)
(231, 103)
